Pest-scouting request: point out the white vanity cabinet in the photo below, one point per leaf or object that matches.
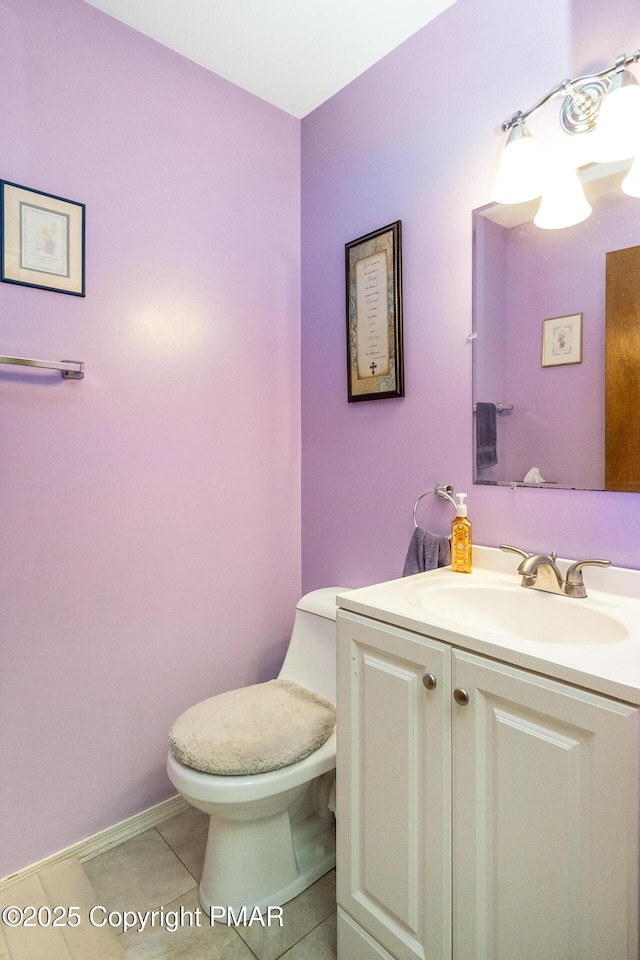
(491, 816)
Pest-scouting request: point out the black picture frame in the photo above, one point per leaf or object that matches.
(42, 240)
(373, 271)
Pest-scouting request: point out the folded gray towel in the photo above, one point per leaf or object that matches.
(426, 552)
(486, 435)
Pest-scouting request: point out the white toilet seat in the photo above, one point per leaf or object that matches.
(210, 787)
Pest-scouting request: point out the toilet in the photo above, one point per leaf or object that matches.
(272, 834)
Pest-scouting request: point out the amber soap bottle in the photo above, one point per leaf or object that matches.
(461, 538)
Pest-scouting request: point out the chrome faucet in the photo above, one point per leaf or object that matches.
(540, 572)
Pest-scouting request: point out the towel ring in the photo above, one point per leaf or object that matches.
(442, 490)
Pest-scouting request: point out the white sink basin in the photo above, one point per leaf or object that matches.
(592, 643)
(517, 612)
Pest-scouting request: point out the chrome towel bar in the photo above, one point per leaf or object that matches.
(500, 407)
(69, 369)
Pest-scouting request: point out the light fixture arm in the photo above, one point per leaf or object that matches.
(584, 96)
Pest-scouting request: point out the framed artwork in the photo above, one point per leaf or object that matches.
(373, 268)
(562, 340)
(42, 240)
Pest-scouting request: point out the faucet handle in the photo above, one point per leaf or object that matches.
(574, 573)
(521, 553)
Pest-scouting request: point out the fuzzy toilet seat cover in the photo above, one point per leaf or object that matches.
(252, 730)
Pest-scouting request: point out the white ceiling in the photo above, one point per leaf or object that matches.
(293, 53)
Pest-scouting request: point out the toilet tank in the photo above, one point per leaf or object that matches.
(311, 655)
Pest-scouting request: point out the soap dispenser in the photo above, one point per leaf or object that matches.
(461, 538)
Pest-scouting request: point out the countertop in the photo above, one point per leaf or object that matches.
(610, 666)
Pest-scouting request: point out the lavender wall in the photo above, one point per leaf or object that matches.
(151, 512)
(415, 138)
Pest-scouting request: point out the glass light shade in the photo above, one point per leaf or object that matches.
(631, 183)
(617, 132)
(563, 201)
(519, 175)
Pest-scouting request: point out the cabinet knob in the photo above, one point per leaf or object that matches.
(430, 681)
(461, 696)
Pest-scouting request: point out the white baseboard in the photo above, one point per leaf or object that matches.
(105, 839)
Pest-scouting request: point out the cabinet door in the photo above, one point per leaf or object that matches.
(545, 818)
(394, 787)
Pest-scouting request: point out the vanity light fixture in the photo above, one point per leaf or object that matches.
(631, 183)
(563, 202)
(616, 132)
(602, 109)
(520, 174)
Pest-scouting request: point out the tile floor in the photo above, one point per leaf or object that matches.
(162, 867)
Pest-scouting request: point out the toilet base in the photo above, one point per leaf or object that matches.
(261, 863)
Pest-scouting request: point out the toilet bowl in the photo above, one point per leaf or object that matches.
(272, 834)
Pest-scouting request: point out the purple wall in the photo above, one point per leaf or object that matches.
(151, 512)
(415, 138)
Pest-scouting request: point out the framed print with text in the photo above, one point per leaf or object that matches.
(42, 240)
(375, 363)
(562, 340)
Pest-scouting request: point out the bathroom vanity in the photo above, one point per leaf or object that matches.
(489, 767)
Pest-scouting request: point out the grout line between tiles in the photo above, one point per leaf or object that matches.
(300, 939)
(179, 858)
(252, 952)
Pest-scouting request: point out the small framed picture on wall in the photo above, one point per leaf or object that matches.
(375, 363)
(42, 240)
(562, 340)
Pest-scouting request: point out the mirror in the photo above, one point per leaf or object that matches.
(556, 349)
